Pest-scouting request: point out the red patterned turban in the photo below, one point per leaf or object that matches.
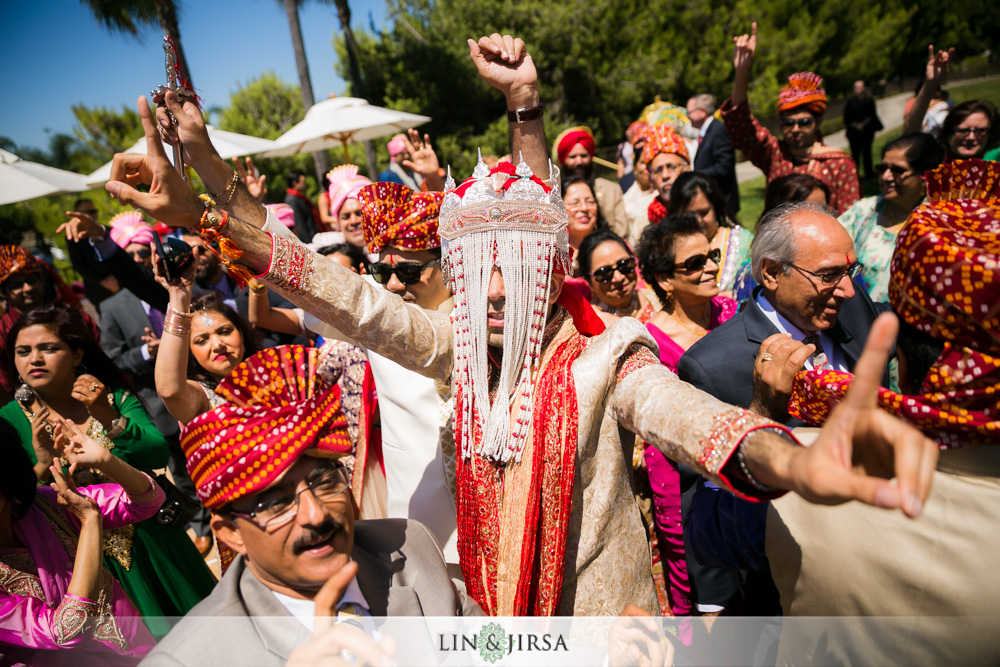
(804, 89)
(278, 407)
(945, 282)
(14, 259)
(637, 131)
(396, 216)
(565, 142)
(663, 139)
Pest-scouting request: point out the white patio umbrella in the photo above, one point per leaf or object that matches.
(21, 180)
(229, 144)
(339, 121)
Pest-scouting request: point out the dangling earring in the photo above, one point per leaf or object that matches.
(668, 297)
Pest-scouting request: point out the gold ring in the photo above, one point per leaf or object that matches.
(766, 356)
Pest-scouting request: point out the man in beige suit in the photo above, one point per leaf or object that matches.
(301, 554)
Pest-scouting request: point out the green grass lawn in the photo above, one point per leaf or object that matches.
(752, 192)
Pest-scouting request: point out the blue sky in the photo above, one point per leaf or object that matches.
(54, 54)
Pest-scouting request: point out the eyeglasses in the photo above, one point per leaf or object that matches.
(408, 273)
(800, 122)
(834, 276)
(896, 169)
(624, 266)
(978, 131)
(326, 484)
(672, 168)
(698, 262)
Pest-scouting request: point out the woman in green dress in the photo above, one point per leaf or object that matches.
(65, 374)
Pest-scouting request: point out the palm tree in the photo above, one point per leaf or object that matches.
(128, 17)
(320, 158)
(357, 87)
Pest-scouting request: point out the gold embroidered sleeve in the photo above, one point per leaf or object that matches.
(685, 423)
(72, 617)
(369, 315)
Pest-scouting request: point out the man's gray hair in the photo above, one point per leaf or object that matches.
(774, 238)
(705, 101)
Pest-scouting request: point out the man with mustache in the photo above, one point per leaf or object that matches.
(266, 464)
(546, 512)
(574, 149)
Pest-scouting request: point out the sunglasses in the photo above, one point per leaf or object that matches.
(624, 266)
(142, 253)
(408, 274)
(698, 262)
(801, 122)
(894, 168)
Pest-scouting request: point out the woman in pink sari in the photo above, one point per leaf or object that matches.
(676, 259)
(58, 604)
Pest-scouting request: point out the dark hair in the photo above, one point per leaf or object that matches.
(81, 200)
(17, 475)
(573, 179)
(589, 244)
(922, 151)
(791, 188)
(920, 350)
(689, 184)
(963, 111)
(656, 247)
(352, 252)
(68, 325)
(212, 300)
(293, 178)
(326, 183)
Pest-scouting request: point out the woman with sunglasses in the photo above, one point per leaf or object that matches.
(676, 259)
(608, 265)
(874, 222)
(695, 192)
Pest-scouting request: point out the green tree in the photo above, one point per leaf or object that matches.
(104, 132)
(129, 17)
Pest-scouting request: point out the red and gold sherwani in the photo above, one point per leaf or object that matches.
(587, 551)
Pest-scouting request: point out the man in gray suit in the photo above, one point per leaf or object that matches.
(283, 502)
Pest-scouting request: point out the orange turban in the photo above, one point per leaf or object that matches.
(946, 283)
(565, 142)
(804, 89)
(278, 407)
(663, 139)
(15, 259)
(394, 215)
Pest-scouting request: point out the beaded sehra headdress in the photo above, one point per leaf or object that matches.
(505, 218)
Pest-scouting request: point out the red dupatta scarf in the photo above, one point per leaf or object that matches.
(513, 520)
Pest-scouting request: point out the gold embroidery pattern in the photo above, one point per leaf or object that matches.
(728, 429)
(636, 356)
(71, 618)
(291, 266)
(19, 575)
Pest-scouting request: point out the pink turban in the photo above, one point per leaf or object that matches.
(396, 145)
(284, 213)
(344, 184)
(128, 228)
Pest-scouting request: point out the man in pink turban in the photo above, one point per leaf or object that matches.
(134, 236)
(345, 184)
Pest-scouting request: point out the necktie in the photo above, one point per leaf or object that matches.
(350, 614)
(156, 321)
(818, 358)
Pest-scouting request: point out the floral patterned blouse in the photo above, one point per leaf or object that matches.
(873, 243)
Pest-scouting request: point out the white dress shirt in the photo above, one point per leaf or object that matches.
(834, 355)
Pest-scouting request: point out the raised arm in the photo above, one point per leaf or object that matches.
(263, 315)
(743, 53)
(934, 75)
(503, 62)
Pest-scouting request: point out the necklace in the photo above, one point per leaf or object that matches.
(696, 333)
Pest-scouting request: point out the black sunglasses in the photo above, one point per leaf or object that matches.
(624, 266)
(142, 253)
(408, 274)
(801, 122)
(698, 262)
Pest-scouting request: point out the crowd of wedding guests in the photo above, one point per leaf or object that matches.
(769, 314)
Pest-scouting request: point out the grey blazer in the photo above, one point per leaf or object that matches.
(401, 572)
(123, 323)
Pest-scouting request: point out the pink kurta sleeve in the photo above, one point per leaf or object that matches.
(27, 621)
(117, 507)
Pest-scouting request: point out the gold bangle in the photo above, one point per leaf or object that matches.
(178, 324)
(231, 186)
